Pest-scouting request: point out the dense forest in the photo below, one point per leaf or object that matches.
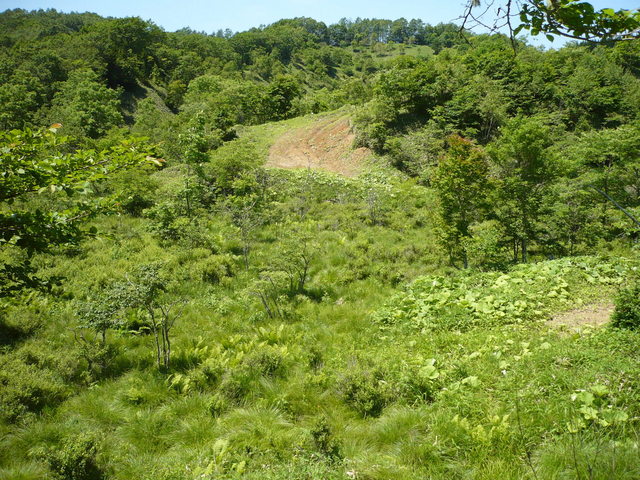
(377, 249)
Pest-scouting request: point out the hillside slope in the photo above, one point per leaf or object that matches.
(327, 144)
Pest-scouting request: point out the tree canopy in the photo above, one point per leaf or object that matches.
(574, 19)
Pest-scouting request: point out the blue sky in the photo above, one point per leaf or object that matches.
(243, 14)
(238, 15)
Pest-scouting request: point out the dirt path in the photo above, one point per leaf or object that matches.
(327, 145)
(594, 315)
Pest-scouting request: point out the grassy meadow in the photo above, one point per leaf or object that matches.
(320, 333)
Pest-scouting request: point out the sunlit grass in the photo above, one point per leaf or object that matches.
(247, 392)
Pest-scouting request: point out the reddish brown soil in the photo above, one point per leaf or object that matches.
(327, 145)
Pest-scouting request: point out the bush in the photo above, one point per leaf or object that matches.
(76, 460)
(18, 326)
(268, 361)
(485, 247)
(627, 311)
(365, 391)
(324, 439)
(237, 383)
(217, 405)
(420, 380)
(216, 267)
(165, 221)
(136, 191)
(27, 389)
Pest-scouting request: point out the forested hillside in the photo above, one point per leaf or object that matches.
(378, 249)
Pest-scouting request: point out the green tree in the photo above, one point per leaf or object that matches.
(128, 48)
(36, 168)
(599, 93)
(525, 170)
(462, 182)
(568, 18)
(627, 311)
(478, 108)
(85, 107)
(574, 224)
(97, 316)
(147, 290)
(232, 169)
(247, 216)
(280, 97)
(144, 291)
(409, 84)
(298, 253)
(18, 102)
(194, 146)
(225, 102)
(606, 164)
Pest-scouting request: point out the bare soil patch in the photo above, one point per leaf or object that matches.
(594, 315)
(326, 145)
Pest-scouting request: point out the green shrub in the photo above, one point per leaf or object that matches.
(134, 396)
(237, 383)
(365, 391)
(216, 267)
(165, 221)
(76, 460)
(324, 439)
(137, 191)
(315, 358)
(419, 380)
(627, 311)
(268, 361)
(486, 248)
(27, 389)
(217, 405)
(208, 372)
(13, 330)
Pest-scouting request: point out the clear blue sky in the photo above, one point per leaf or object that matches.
(238, 15)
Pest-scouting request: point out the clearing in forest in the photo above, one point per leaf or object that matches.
(326, 144)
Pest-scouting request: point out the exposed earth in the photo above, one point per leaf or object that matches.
(327, 145)
(594, 315)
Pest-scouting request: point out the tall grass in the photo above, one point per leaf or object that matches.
(251, 396)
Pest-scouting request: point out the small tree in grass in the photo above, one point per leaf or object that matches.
(97, 316)
(245, 212)
(298, 251)
(146, 291)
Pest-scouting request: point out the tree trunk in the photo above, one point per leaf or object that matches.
(188, 198)
(154, 329)
(245, 254)
(167, 342)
